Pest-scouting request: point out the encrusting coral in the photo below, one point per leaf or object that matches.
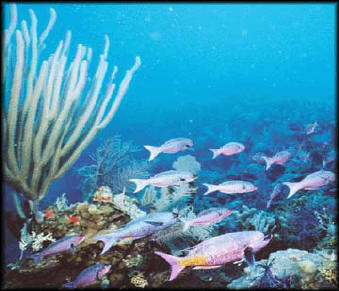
(294, 268)
(139, 280)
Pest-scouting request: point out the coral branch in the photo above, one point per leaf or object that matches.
(47, 123)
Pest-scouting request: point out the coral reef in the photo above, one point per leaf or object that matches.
(128, 259)
(293, 268)
(103, 194)
(254, 219)
(127, 205)
(169, 197)
(187, 163)
(139, 280)
(113, 166)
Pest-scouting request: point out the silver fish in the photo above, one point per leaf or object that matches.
(171, 146)
(165, 179)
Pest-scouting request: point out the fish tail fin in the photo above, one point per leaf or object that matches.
(109, 241)
(174, 263)
(140, 184)
(210, 188)
(215, 153)
(154, 151)
(268, 161)
(69, 285)
(36, 258)
(294, 187)
(186, 226)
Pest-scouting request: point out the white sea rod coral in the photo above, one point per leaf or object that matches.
(45, 124)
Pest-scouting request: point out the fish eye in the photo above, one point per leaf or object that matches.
(182, 179)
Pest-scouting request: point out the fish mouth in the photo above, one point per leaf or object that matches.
(194, 177)
(82, 238)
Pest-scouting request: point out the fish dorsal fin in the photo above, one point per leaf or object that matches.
(207, 211)
(165, 173)
(174, 140)
(232, 182)
(155, 223)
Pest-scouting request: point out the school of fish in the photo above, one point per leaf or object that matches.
(211, 253)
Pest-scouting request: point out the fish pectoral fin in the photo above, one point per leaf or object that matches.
(97, 276)
(72, 248)
(155, 223)
(249, 256)
(206, 267)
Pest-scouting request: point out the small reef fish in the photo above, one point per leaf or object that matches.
(89, 275)
(49, 213)
(219, 250)
(207, 217)
(139, 228)
(278, 188)
(64, 244)
(231, 187)
(311, 182)
(228, 149)
(165, 179)
(279, 158)
(171, 146)
(73, 219)
(310, 128)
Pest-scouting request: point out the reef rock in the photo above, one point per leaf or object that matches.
(291, 268)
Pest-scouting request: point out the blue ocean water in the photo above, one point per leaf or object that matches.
(214, 73)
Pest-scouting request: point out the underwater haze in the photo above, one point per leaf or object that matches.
(236, 105)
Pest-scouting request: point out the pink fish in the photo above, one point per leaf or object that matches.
(207, 217)
(219, 250)
(89, 276)
(310, 128)
(230, 187)
(311, 182)
(139, 228)
(279, 158)
(165, 179)
(228, 149)
(171, 146)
